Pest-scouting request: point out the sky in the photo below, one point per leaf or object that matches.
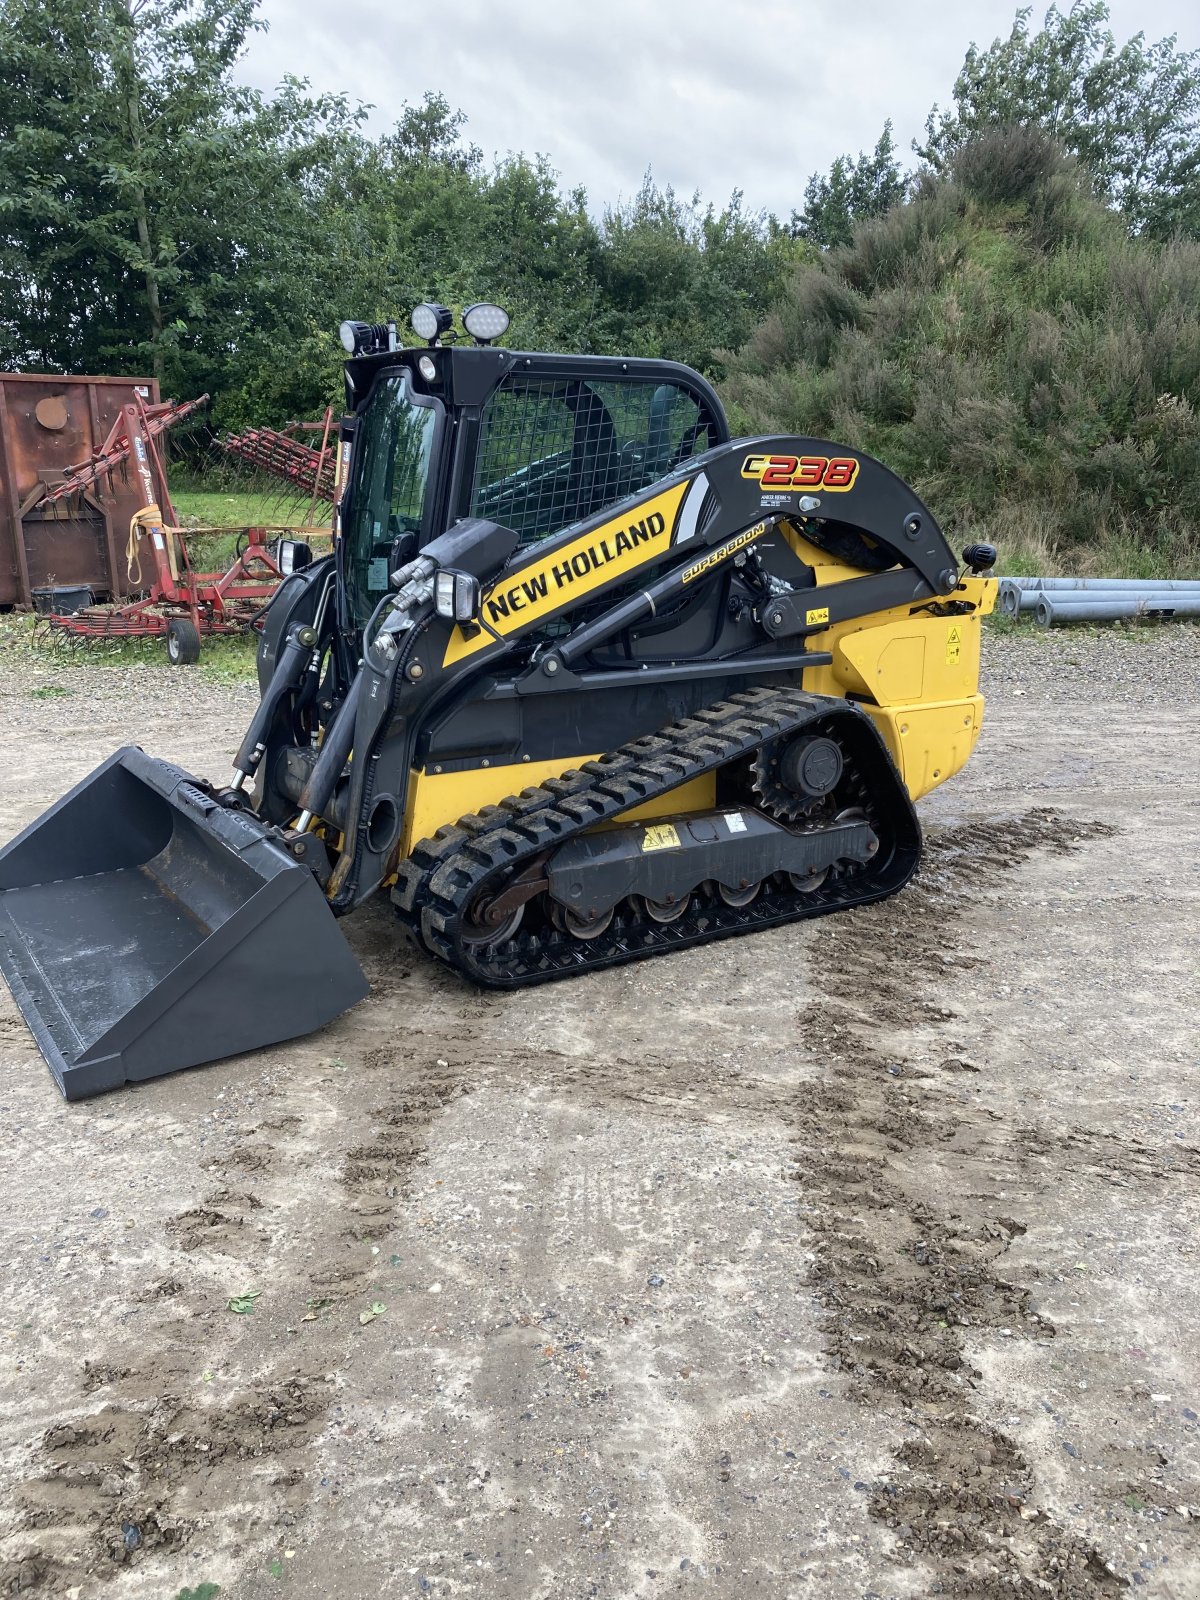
(708, 94)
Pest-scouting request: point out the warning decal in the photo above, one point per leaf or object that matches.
(660, 836)
(954, 646)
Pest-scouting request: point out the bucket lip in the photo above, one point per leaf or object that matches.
(36, 1023)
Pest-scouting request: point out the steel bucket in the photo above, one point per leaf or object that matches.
(145, 928)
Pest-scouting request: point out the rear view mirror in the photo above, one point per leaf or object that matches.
(404, 549)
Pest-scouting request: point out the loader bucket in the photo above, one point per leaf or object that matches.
(145, 928)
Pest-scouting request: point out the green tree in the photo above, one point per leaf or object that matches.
(1131, 113)
(852, 191)
(682, 280)
(149, 205)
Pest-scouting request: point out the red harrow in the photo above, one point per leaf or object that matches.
(278, 452)
(180, 604)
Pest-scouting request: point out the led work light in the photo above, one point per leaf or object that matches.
(456, 596)
(485, 322)
(367, 338)
(430, 321)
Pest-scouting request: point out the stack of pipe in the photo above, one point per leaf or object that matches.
(1055, 601)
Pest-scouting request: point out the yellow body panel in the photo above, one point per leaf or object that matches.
(915, 675)
(929, 742)
(437, 798)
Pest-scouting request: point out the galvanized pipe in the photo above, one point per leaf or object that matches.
(1018, 595)
(1052, 610)
(1148, 594)
(1103, 583)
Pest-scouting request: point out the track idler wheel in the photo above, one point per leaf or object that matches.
(577, 925)
(739, 897)
(478, 930)
(666, 910)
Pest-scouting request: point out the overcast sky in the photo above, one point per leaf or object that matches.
(711, 95)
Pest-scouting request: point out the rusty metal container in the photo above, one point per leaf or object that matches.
(48, 424)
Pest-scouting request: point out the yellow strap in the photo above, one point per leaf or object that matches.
(150, 519)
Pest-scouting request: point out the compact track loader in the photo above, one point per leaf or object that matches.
(585, 680)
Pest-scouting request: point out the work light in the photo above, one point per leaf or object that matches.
(485, 322)
(431, 320)
(365, 338)
(456, 596)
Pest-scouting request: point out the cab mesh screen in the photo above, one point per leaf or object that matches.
(553, 451)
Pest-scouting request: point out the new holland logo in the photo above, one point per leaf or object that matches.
(715, 557)
(562, 574)
(557, 575)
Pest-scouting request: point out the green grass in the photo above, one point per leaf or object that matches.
(228, 658)
(237, 509)
(211, 508)
(224, 657)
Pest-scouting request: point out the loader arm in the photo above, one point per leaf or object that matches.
(694, 515)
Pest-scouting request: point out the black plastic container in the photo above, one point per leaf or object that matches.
(61, 600)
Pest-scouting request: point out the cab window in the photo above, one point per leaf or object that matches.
(553, 451)
(390, 480)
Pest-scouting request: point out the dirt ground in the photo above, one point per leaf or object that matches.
(855, 1260)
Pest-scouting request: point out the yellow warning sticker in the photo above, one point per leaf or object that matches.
(953, 646)
(812, 618)
(662, 836)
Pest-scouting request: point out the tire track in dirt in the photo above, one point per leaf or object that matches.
(905, 1280)
(375, 1170)
(152, 1461)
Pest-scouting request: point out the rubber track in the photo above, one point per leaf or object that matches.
(445, 874)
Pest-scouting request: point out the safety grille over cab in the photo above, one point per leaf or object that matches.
(555, 450)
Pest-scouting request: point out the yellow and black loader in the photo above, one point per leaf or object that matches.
(584, 680)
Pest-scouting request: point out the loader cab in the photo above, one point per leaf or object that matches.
(536, 442)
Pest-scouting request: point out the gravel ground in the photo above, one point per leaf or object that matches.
(1116, 664)
(853, 1260)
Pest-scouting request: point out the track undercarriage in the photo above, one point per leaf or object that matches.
(552, 882)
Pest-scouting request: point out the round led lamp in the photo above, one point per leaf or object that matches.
(430, 321)
(485, 322)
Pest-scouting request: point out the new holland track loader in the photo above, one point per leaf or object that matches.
(584, 680)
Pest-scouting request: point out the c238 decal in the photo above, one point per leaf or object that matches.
(834, 474)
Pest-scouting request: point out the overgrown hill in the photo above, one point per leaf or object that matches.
(1001, 341)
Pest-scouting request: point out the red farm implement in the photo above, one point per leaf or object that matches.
(179, 604)
(279, 452)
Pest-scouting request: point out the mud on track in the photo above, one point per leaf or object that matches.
(852, 1259)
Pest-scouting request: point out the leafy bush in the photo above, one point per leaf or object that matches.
(1001, 341)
